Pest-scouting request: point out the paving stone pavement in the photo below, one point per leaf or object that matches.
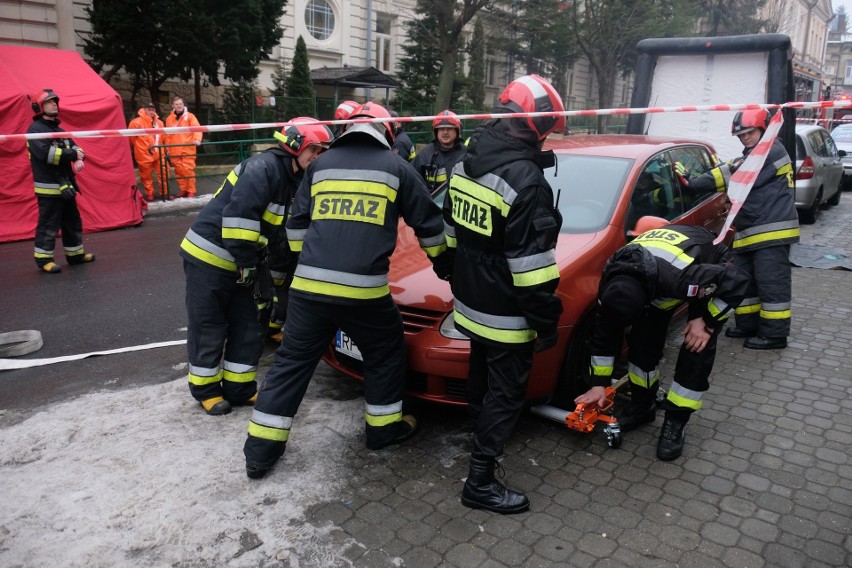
(765, 479)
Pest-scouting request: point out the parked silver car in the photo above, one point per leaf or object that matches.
(842, 135)
(818, 170)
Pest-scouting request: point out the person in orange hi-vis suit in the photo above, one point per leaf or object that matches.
(183, 157)
(144, 148)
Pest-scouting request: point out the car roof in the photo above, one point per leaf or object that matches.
(631, 146)
(805, 128)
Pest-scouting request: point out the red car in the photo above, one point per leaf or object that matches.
(604, 185)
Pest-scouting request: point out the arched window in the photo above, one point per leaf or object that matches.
(319, 19)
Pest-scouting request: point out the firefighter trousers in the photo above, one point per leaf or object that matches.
(646, 342)
(375, 326)
(496, 390)
(224, 336)
(55, 213)
(766, 309)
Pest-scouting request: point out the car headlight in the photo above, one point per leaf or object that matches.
(448, 328)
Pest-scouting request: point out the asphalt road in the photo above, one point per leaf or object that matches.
(133, 294)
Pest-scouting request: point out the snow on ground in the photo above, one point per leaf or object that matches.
(143, 477)
(178, 204)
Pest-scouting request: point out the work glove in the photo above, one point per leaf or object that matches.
(682, 173)
(68, 192)
(282, 298)
(443, 265)
(248, 276)
(735, 164)
(546, 339)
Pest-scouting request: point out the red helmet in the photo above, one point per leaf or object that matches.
(37, 100)
(446, 119)
(344, 110)
(746, 120)
(532, 93)
(373, 110)
(302, 132)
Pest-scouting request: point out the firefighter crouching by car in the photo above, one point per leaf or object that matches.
(228, 280)
(500, 216)
(344, 226)
(642, 285)
(766, 226)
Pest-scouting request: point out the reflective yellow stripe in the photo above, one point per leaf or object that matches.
(434, 251)
(46, 191)
(534, 277)
(452, 242)
(500, 335)
(600, 371)
(779, 315)
(207, 257)
(200, 381)
(666, 304)
(349, 186)
(272, 218)
(240, 234)
(383, 420)
(246, 377)
(339, 290)
(683, 402)
(752, 309)
(43, 255)
(719, 178)
(296, 246)
(267, 433)
(763, 237)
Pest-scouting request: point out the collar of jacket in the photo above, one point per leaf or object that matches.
(490, 147)
(365, 131)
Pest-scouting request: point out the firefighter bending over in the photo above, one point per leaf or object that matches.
(642, 285)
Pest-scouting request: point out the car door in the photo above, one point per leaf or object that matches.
(656, 192)
(703, 208)
(834, 164)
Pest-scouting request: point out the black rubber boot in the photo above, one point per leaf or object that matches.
(738, 333)
(671, 441)
(482, 491)
(254, 471)
(378, 438)
(637, 414)
(760, 342)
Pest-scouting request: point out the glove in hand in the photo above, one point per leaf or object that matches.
(681, 172)
(546, 339)
(68, 192)
(735, 164)
(247, 276)
(443, 266)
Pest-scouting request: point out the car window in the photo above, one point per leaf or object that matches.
(800, 149)
(587, 189)
(696, 160)
(816, 142)
(842, 134)
(656, 192)
(830, 146)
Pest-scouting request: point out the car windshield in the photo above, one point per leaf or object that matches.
(842, 134)
(586, 187)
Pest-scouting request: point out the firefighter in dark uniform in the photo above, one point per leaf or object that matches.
(54, 162)
(402, 143)
(641, 287)
(500, 217)
(436, 160)
(344, 227)
(766, 226)
(230, 270)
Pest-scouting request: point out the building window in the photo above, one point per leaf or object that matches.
(319, 19)
(847, 80)
(384, 57)
(491, 67)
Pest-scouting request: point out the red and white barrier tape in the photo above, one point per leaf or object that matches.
(129, 132)
(743, 179)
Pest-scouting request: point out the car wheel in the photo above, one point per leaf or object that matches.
(809, 215)
(835, 199)
(571, 383)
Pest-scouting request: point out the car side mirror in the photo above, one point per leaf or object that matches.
(842, 153)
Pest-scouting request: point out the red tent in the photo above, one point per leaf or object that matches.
(86, 102)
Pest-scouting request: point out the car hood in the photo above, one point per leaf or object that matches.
(413, 283)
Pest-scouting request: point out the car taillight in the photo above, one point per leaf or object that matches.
(807, 169)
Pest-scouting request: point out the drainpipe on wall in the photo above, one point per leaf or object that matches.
(369, 40)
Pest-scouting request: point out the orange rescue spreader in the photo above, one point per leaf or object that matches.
(586, 416)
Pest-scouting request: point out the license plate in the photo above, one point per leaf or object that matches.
(344, 344)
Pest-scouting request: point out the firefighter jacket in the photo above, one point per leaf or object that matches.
(675, 264)
(142, 145)
(345, 219)
(768, 216)
(403, 145)
(435, 163)
(186, 138)
(499, 216)
(52, 159)
(247, 212)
